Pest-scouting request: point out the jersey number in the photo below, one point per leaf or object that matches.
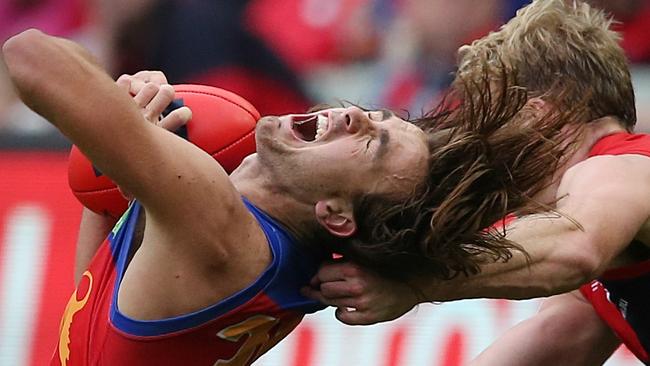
(258, 329)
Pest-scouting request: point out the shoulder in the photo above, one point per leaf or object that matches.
(621, 143)
(608, 186)
(609, 170)
(608, 199)
(224, 230)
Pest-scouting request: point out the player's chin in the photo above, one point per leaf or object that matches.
(268, 123)
(271, 150)
(267, 129)
(277, 143)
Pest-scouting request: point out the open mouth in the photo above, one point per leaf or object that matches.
(309, 128)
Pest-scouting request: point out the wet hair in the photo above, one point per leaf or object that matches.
(490, 153)
(491, 150)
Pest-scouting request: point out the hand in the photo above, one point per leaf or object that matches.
(153, 94)
(361, 296)
(138, 80)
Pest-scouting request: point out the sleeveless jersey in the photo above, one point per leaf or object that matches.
(621, 296)
(234, 331)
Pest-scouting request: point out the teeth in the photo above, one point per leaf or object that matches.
(299, 121)
(321, 126)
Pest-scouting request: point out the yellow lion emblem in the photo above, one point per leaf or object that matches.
(71, 309)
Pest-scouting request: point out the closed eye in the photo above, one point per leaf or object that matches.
(368, 144)
(386, 114)
(380, 115)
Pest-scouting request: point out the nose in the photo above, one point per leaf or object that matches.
(355, 119)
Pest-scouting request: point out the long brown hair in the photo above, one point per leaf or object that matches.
(490, 153)
(492, 149)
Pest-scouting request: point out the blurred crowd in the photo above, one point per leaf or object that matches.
(282, 55)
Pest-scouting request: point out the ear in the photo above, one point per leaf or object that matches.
(336, 216)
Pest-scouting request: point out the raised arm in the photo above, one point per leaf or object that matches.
(609, 196)
(175, 181)
(152, 94)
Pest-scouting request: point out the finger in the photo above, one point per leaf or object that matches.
(149, 76)
(315, 282)
(313, 294)
(339, 289)
(352, 316)
(330, 271)
(137, 85)
(159, 102)
(124, 82)
(177, 118)
(143, 78)
(318, 296)
(333, 271)
(145, 95)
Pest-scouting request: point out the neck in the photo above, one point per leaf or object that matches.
(252, 181)
(592, 132)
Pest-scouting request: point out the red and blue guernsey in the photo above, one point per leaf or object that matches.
(621, 296)
(235, 331)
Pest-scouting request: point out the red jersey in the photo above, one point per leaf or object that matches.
(621, 296)
(235, 331)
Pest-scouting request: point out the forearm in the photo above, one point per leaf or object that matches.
(566, 331)
(60, 80)
(565, 254)
(556, 264)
